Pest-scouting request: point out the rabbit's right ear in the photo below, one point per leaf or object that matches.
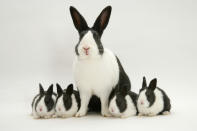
(59, 90)
(78, 20)
(144, 85)
(41, 89)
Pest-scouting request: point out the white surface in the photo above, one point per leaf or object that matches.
(154, 38)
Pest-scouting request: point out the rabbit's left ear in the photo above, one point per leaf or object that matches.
(153, 84)
(144, 85)
(50, 90)
(41, 89)
(69, 89)
(102, 20)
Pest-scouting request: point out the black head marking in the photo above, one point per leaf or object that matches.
(150, 95)
(102, 20)
(97, 39)
(48, 98)
(121, 102)
(78, 20)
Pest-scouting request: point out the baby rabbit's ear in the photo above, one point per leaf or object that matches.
(59, 90)
(50, 90)
(102, 20)
(41, 89)
(153, 84)
(69, 89)
(78, 20)
(144, 85)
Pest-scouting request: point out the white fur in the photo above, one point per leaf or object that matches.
(66, 113)
(130, 110)
(88, 42)
(157, 106)
(44, 113)
(95, 74)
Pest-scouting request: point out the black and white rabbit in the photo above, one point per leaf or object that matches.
(152, 100)
(68, 101)
(43, 103)
(123, 103)
(97, 70)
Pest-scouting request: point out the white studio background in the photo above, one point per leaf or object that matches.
(152, 38)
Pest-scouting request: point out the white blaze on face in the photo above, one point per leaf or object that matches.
(142, 100)
(41, 107)
(60, 105)
(87, 46)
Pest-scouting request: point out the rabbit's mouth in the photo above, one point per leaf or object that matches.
(86, 50)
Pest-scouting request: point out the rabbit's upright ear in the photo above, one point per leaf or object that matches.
(144, 85)
(102, 20)
(50, 90)
(78, 20)
(69, 89)
(153, 84)
(59, 90)
(41, 89)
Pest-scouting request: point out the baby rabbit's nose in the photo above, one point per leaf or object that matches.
(59, 109)
(142, 103)
(86, 48)
(40, 109)
(112, 110)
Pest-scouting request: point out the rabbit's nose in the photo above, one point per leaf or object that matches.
(59, 109)
(142, 102)
(112, 110)
(40, 109)
(86, 50)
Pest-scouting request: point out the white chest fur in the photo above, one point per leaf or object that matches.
(97, 75)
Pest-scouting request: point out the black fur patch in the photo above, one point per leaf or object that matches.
(150, 96)
(97, 39)
(67, 101)
(94, 104)
(49, 102)
(121, 102)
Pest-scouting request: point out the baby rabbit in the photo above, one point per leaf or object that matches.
(123, 103)
(68, 101)
(152, 100)
(43, 103)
